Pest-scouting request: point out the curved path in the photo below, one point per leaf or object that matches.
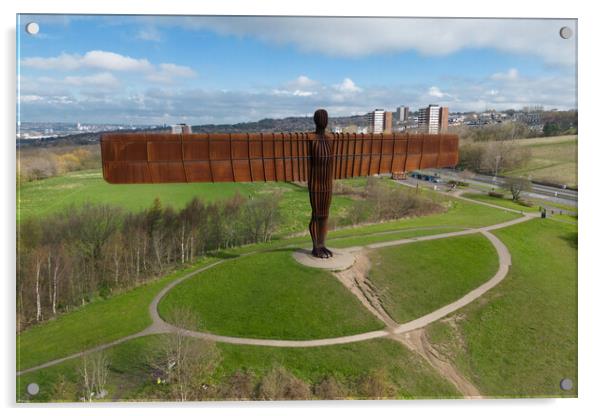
(159, 326)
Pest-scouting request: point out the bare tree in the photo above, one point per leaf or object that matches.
(94, 371)
(280, 384)
(516, 186)
(185, 363)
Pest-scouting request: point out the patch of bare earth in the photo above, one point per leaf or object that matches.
(418, 342)
(356, 280)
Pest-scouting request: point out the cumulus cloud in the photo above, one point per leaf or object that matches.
(437, 93)
(93, 59)
(110, 61)
(347, 86)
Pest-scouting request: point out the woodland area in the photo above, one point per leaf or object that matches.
(66, 259)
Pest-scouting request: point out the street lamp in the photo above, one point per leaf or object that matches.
(497, 163)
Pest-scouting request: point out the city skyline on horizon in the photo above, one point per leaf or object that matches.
(142, 69)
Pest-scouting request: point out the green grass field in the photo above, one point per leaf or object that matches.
(520, 339)
(552, 159)
(43, 197)
(501, 202)
(129, 376)
(101, 321)
(415, 279)
(270, 295)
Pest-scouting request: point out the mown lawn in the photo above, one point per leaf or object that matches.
(269, 295)
(501, 202)
(415, 279)
(520, 339)
(342, 242)
(130, 377)
(96, 323)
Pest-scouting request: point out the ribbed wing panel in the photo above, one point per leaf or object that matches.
(252, 157)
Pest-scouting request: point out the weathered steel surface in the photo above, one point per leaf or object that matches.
(158, 158)
(320, 179)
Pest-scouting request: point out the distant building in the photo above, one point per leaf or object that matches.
(402, 114)
(388, 122)
(433, 119)
(181, 128)
(443, 119)
(376, 121)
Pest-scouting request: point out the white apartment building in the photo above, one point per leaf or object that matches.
(428, 119)
(376, 121)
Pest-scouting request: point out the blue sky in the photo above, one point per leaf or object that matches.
(155, 69)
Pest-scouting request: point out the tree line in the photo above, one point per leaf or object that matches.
(44, 162)
(66, 259)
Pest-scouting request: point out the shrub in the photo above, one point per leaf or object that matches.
(329, 389)
(457, 183)
(239, 386)
(495, 194)
(525, 203)
(376, 385)
(279, 384)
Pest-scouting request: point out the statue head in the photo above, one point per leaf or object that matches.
(321, 120)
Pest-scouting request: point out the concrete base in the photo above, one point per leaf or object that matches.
(341, 259)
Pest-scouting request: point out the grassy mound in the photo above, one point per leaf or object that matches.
(415, 279)
(270, 295)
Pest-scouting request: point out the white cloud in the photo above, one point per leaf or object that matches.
(49, 99)
(168, 73)
(114, 61)
(93, 59)
(110, 61)
(303, 81)
(510, 75)
(104, 79)
(353, 37)
(347, 86)
(436, 92)
(64, 62)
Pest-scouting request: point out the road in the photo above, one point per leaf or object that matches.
(545, 192)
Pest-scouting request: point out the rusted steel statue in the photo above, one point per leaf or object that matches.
(317, 158)
(319, 184)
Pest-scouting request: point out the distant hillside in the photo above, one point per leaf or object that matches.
(269, 125)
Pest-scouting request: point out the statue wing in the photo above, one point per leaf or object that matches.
(258, 157)
(369, 154)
